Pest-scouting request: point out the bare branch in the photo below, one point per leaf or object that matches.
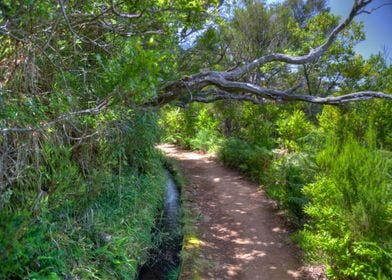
(5, 31)
(298, 60)
(81, 138)
(260, 95)
(117, 13)
(80, 37)
(374, 9)
(280, 96)
(217, 94)
(117, 31)
(197, 82)
(225, 85)
(93, 111)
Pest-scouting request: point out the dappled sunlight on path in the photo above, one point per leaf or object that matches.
(241, 233)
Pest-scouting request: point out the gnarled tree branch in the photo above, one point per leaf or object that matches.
(298, 60)
(225, 84)
(124, 15)
(212, 95)
(92, 111)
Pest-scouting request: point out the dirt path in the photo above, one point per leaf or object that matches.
(241, 233)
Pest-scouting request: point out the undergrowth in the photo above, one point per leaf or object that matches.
(350, 211)
(92, 217)
(96, 236)
(252, 160)
(331, 176)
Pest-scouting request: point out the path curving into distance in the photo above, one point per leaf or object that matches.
(242, 235)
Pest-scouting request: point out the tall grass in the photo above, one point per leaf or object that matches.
(83, 210)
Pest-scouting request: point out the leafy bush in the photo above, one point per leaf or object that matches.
(195, 128)
(206, 140)
(84, 211)
(249, 159)
(176, 126)
(256, 124)
(285, 179)
(291, 128)
(293, 165)
(350, 210)
(206, 137)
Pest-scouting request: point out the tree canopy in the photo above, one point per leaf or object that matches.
(293, 52)
(83, 89)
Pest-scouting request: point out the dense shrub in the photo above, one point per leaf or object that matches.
(101, 236)
(207, 136)
(206, 140)
(249, 159)
(84, 211)
(178, 126)
(350, 211)
(291, 128)
(293, 164)
(338, 190)
(256, 124)
(195, 128)
(285, 179)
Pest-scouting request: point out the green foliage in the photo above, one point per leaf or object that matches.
(291, 128)
(94, 215)
(285, 178)
(102, 235)
(178, 126)
(361, 117)
(256, 124)
(329, 187)
(26, 247)
(250, 159)
(79, 197)
(206, 140)
(292, 166)
(195, 128)
(87, 191)
(350, 211)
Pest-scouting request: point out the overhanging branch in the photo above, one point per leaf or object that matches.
(212, 95)
(124, 15)
(227, 86)
(92, 111)
(298, 60)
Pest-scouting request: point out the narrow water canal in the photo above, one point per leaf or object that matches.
(164, 263)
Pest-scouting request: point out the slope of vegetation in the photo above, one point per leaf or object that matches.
(328, 167)
(74, 210)
(81, 185)
(331, 174)
(81, 83)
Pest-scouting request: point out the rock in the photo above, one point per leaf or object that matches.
(105, 238)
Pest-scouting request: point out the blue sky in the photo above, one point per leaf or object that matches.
(377, 25)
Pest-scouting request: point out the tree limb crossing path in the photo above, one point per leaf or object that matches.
(241, 233)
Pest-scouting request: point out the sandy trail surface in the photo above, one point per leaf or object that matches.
(242, 235)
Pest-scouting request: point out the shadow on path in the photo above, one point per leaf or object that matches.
(242, 235)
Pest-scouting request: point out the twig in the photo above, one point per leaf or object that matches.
(4, 31)
(93, 111)
(124, 15)
(374, 9)
(81, 37)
